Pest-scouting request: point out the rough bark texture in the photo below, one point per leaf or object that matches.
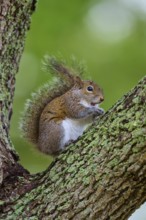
(14, 22)
(102, 176)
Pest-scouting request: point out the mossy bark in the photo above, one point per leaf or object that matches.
(14, 22)
(101, 176)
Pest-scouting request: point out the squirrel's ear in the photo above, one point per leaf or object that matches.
(78, 82)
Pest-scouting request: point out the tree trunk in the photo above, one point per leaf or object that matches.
(101, 176)
(14, 22)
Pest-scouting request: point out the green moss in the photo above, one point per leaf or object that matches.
(113, 163)
(72, 169)
(70, 159)
(86, 180)
(137, 132)
(136, 100)
(2, 202)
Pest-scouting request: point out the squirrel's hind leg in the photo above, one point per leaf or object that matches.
(49, 141)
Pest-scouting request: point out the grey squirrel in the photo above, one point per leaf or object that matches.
(60, 111)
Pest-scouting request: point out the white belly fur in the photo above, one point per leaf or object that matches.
(73, 129)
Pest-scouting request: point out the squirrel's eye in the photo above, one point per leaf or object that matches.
(90, 88)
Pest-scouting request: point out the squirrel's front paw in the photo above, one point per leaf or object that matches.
(99, 111)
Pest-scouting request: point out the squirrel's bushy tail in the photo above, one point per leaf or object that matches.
(63, 81)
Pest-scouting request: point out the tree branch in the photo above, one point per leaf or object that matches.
(102, 176)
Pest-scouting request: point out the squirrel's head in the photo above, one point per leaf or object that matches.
(90, 93)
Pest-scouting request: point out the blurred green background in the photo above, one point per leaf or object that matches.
(109, 35)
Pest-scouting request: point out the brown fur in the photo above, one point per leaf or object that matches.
(66, 106)
(42, 120)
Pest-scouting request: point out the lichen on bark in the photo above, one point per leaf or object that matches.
(15, 17)
(102, 176)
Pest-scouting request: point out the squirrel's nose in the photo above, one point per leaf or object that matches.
(101, 99)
